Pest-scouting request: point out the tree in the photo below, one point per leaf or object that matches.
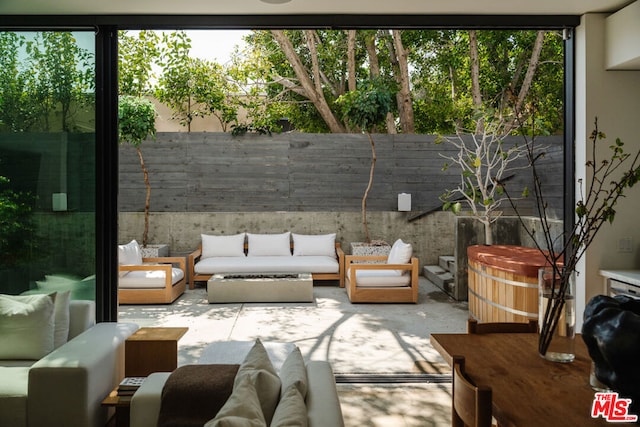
(175, 85)
(366, 109)
(64, 75)
(484, 164)
(136, 123)
(136, 57)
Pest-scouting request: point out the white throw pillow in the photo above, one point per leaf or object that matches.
(222, 246)
(400, 253)
(130, 254)
(314, 245)
(269, 244)
(61, 318)
(26, 326)
(241, 409)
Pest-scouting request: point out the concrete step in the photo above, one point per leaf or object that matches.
(438, 276)
(447, 262)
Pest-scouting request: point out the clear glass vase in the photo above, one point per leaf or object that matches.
(556, 314)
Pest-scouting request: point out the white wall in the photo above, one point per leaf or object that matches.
(614, 98)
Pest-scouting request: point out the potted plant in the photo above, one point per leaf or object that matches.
(17, 238)
(366, 109)
(608, 178)
(136, 124)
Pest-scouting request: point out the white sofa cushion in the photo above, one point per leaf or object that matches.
(314, 245)
(27, 324)
(148, 279)
(400, 253)
(13, 396)
(222, 246)
(269, 244)
(130, 254)
(380, 278)
(268, 264)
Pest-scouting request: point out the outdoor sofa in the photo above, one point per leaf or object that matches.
(56, 364)
(282, 253)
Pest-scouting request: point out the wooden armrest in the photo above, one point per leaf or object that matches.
(168, 260)
(147, 267)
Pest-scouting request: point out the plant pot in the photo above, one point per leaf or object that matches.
(556, 314)
(369, 249)
(155, 251)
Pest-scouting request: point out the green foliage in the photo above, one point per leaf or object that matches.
(366, 107)
(136, 120)
(16, 226)
(136, 57)
(45, 80)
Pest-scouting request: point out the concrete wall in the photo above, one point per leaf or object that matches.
(431, 235)
(614, 98)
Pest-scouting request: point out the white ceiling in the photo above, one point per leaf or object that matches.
(258, 7)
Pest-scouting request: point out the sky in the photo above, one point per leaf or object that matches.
(215, 45)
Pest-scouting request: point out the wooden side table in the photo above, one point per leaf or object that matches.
(122, 406)
(152, 350)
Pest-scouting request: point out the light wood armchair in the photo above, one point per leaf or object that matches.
(392, 289)
(152, 286)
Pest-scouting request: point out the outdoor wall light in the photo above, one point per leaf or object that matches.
(404, 202)
(275, 1)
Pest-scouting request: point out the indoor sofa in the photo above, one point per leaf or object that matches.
(56, 364)
(244, 382)
(248, 253)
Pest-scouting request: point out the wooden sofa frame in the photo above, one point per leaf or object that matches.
(166, 295)
(381, 294)
(194, 257)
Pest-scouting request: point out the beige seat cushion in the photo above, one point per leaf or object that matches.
(148, 279)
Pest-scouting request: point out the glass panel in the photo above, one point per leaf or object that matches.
(47, 162)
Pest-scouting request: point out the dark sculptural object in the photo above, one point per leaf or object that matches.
(611, 331)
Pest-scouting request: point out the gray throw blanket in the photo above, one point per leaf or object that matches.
(193, 394)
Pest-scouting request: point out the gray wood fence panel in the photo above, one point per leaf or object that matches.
(215, 172)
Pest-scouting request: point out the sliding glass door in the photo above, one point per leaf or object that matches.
(47, 162)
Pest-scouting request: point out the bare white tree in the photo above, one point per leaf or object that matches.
(484, 164)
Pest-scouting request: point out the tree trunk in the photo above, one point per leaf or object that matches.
(365, 224)
(488, 234)
(531, 70)
(313, 90)
(147, 200)
(405, 104)
(351, 59)
(476, 95)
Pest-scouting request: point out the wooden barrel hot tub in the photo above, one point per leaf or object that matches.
(503, 282)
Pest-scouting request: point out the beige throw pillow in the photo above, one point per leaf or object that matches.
(294, 373)
(257, 367)
(61, 318)
(291, 411)
(242, 409)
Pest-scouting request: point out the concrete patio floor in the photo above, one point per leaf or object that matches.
(364, 341)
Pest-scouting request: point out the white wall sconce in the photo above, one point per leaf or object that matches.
(404, 202)
(59, 202)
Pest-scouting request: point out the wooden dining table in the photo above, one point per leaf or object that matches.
(527, 390)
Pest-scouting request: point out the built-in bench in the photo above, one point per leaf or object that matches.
(247, 253)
